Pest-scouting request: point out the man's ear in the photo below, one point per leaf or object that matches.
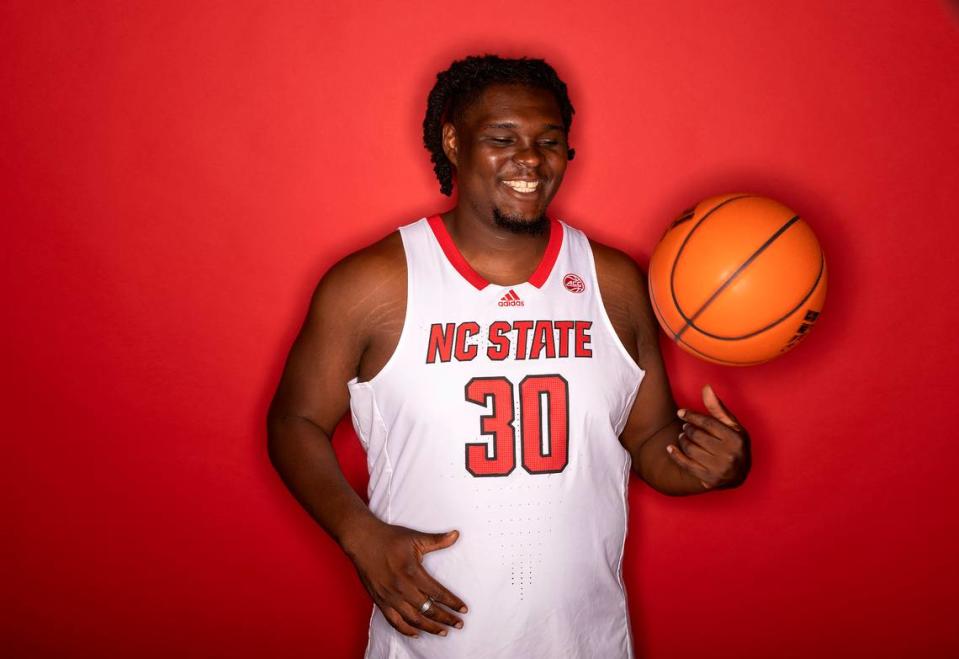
(449, 142)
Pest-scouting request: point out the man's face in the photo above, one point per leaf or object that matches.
(510, 154)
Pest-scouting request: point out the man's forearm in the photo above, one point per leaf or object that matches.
(658, 470)
(302, 454)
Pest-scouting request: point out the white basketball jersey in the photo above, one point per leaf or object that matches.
(499, 415)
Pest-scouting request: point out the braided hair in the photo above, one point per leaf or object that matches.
(458, 86)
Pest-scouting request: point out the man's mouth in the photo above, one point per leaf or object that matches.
(521, 186)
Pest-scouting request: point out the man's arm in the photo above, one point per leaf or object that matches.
(310, 400)
(351, 306)
(669, 458)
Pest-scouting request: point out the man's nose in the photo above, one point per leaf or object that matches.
(528, 155)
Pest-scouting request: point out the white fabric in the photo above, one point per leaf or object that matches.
(538, 560)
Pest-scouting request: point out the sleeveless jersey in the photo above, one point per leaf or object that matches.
(498, 415)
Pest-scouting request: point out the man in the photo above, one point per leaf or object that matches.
(503, 374)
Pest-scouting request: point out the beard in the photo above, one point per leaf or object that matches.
(515, 224)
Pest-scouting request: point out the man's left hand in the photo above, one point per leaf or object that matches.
(714, 449)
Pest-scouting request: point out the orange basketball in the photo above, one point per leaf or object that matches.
(737, 280)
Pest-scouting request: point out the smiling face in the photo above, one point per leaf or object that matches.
(510, 153)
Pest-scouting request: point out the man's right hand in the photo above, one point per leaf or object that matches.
(389, 561)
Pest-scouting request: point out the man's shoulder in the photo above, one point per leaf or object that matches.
(364, 279)
(625, 294)
(384, 257)
(616, 270)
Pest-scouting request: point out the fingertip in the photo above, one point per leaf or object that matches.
(670, 448)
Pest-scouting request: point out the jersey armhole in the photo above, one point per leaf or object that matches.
(407, 313)
(614, 335)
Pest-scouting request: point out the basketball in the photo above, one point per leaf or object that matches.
(738, 280)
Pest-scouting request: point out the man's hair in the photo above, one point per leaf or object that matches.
(458, 86)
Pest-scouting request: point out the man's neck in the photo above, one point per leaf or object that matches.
(501, 256)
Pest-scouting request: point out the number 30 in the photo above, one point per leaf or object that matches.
(550, 457)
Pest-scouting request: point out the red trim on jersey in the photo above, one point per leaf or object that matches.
(453, 254)
(539, 276)
(459, 262)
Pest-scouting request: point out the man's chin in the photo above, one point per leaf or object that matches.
(534, 225)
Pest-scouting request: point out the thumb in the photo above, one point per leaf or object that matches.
(718, 409)
(427, 542)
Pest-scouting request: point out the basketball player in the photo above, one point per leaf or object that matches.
(503, 374)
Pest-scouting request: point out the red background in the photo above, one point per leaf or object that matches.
(177, 176)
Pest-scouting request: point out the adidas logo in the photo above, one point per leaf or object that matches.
(511, 299)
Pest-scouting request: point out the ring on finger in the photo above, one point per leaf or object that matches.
(425, 606)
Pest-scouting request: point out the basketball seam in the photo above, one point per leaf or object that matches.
(690, 321)
(815, 285)
(678, 339)
(682, 246)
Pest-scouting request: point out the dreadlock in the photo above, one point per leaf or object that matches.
(458, 86)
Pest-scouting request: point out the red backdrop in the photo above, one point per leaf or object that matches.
(177, 176)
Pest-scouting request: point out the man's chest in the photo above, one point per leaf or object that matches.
(528, 336)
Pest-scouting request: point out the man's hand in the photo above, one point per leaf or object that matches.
(389, 561)
(715, 449)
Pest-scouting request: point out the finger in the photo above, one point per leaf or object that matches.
(718, 409)
(686, 462)
(411, 614)
(713, 426)
(439, 613)
(695, 451)
(705, 440)
(432, 616)
(439, 592)
(396, 620)
(441, 598)
(713, 464)
(427, 542)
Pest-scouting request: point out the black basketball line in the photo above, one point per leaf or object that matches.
(682, 246)
(815, 285)
(729, 280)
(685, 217)
(678, 339)
(715, 360)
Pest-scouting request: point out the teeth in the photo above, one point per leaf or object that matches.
(523, 186)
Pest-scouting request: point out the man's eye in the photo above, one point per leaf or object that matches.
(500, 140)
(549, 142)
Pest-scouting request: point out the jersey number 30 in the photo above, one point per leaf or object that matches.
(543, 398)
